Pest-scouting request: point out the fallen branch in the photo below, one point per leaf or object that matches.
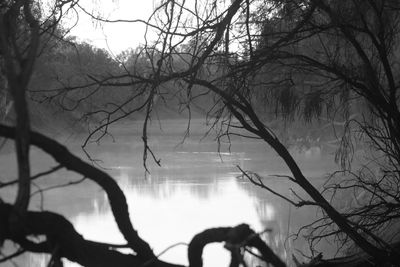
(62, 237)
(235, 237)
(114, 193)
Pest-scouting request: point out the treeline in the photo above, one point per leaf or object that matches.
(84, 84)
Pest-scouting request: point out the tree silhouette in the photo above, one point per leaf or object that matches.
(22, 30)
(248, 59)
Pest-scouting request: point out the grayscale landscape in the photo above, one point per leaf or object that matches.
(199, 133)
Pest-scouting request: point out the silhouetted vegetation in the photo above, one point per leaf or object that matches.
(294, 74)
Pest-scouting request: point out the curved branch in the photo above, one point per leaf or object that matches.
(115, 195)
(238, 236)
(61, 235)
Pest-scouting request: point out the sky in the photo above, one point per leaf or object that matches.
(118, 36)
(115, 37)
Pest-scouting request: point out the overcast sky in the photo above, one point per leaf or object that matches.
(115, 37)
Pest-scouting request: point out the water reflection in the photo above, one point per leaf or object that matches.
(195, 189)
(168, 212)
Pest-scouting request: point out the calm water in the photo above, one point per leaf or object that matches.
(196, 188)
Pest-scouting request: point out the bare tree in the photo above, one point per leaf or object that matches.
(21, 37)
(313, 58)
(303, 59)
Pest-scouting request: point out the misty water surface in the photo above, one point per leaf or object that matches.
(195, 188)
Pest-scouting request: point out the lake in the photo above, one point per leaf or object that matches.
(197, 187)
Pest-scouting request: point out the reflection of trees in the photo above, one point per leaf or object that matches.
(166, 182)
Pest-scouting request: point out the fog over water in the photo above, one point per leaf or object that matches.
(195, 188)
